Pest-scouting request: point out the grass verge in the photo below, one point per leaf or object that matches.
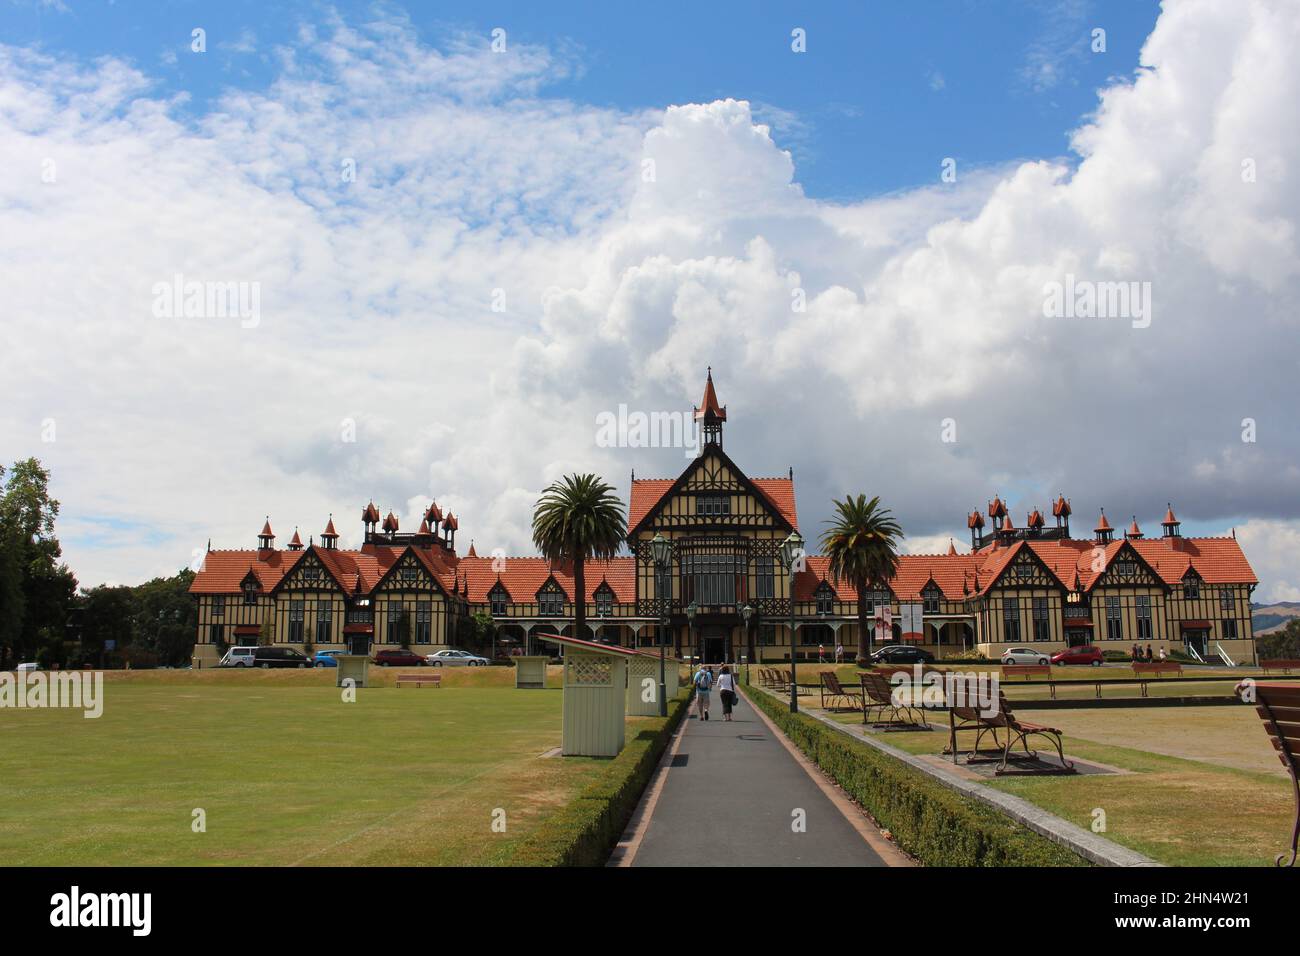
(586, 831)
(936, 825)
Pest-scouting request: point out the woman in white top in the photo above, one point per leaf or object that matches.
(727, 691)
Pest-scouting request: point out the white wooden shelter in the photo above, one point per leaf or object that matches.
(595, 696)
(530, 672)
(646, 666)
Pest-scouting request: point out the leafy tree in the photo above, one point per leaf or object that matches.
(167, 617)
(1284, 643)
(862, 543)
(577, 519)
(36, 589)
(108, 614)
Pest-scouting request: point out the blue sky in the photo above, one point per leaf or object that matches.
(522, 179)
(984, 83)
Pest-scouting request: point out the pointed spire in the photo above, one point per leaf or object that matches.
(709, 407)
(295, 543)
(390, 522)
(952, 548)
(472, 553)
(1133, 530)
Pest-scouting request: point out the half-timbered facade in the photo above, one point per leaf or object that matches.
(725, 593)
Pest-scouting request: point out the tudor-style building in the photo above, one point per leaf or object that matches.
(726, 593)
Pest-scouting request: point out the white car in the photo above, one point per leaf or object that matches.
(29, 666)
(454, 658)
(1024, 655)
(238, 657)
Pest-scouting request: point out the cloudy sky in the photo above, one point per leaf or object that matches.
(463, 255)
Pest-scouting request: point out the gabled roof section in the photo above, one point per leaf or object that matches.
(523, 577)
(649, 494)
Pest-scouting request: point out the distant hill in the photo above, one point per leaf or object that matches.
(1268, 618)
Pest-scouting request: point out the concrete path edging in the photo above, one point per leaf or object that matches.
(1092, 847)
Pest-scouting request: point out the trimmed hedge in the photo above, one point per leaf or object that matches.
(933, 823)
(586, 831)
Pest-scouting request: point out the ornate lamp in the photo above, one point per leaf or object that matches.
(792, 557)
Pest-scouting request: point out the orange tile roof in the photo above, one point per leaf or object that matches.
(648, 492)
(523, 577)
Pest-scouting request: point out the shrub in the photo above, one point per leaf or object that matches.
(937, 825)
(584, 832)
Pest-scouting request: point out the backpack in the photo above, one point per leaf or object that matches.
(703, 680)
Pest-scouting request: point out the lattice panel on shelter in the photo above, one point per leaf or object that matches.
(590, 671)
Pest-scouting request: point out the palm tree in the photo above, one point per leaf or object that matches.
(579, 518)
(862, 545)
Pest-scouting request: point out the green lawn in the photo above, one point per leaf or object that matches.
(1204, 787)
(286, 772)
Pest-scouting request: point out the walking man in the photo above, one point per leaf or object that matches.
(703, 684)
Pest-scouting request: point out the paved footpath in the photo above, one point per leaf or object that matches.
(725, 795)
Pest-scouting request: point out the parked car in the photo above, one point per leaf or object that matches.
(398, 657)
(326, 659)
(29, 666)
(1087, 654)
(902, 654)
(455, 658)
(279, 657)
(1024, 655)
(238, 657)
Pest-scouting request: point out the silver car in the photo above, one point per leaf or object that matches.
(1024, 655)
(454, 658)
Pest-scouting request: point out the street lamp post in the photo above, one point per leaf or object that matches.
(792, 556)
(746, 613)
(691, 610)
(662, 551)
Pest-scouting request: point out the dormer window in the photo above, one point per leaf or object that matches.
(550, 602)
(825, 599)
(498, 600)
(931, 598)
(250, 592)
(604, 602)
(1191, 587)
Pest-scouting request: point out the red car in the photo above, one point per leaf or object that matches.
(398, 658)
(1078, 655)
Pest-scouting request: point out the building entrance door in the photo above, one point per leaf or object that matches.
(713, 645)
(1199, 641)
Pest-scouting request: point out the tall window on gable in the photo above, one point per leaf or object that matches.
(1114, 619)
(324, 622)
(296, 613)
(604, 602)
(931, 598)
(250, 592)
(424, 622)
(1011, 620)
(765, 576)
(1042, 625)
(1191, 588)
(1225, 599)
(712, 504)
(396, 623)
(498, 600)
(218, 605)
(1144, 617)
(825, 599)
(711, 578)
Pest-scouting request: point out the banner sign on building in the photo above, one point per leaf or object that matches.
(910, 622)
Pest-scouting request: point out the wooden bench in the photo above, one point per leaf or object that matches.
(964, 716)
(419, 680)
(1279, 707)
(1283, 664)
(832, 691)
(878, 696)
(1031, 670)
(1156, 668)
